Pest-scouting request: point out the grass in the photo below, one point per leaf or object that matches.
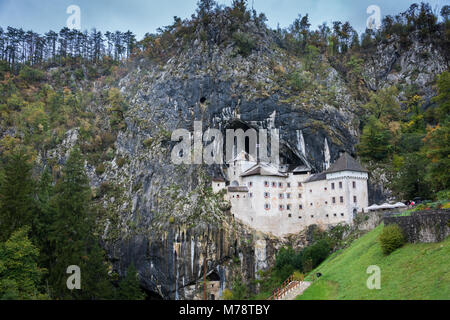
(413, 272)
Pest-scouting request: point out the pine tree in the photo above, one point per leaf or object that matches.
(16, 194)
(20, 275)
(72, 237)
(129, 288)
(44, 218)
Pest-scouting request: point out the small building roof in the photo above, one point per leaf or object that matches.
(237, 189)
(317, 177)
(263, 170)
(346, 163)
(301, 169)
(218, 179)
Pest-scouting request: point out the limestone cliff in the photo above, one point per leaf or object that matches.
(208, 82)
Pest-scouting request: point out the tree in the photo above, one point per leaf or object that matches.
(384, 105)
(20, 275)
(72, 236)
(16, 193)
(437, 150)
(44, 218)
(375, 141)
(129, 288)
(239, 289)
(443, 97)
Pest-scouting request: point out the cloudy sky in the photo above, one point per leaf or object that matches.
(141, 16)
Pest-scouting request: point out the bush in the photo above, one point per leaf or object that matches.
(100, 169)
(227, 294)
(121, 162)
(31, 75)
(244, 43)
(391, 239)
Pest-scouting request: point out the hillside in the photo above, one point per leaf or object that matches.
(413, 272)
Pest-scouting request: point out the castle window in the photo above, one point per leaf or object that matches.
(280, 185)
(288, 207)
(340, 185)
(266, 184)
(310, 190)
(250, 184)
(326, 202)
(311, 204)
(290, 215)
(281, 196)
(218, 185)
(281, 207)
(274, 184)
(332, 186)
(312, 216)
(288, 195)
(354, 185)
(342, 199)
(266, 195)
(299, 195)
(267, 206)
(299, 184)
(325, 188)
(299, 217)
(238, 196)
(300, 207)
(342, 214)
(250, 195)
(327, 215)
(334, 200)
(335, 215)
(354, 199)
(288, 184)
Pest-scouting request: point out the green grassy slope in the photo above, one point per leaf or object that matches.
(415, 271)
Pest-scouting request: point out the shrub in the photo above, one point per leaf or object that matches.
(31, 75)
(391, 239)
(100, 169)
(121, 162)
(244, 43)
(227, 294)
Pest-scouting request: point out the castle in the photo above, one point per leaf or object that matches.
(282, 199)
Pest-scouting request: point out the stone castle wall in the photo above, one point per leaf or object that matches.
(424, 226)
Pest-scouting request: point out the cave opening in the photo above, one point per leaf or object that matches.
(151, 295)
(213, 276)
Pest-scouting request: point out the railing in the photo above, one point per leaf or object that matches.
(285, 288)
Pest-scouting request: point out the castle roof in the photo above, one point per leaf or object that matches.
(263, 170)
(317, 177)
(346, 163)
(237, 189)
(218, 179)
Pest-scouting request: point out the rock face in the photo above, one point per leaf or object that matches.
(225, 91)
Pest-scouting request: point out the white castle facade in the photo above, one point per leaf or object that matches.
(281, 200)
